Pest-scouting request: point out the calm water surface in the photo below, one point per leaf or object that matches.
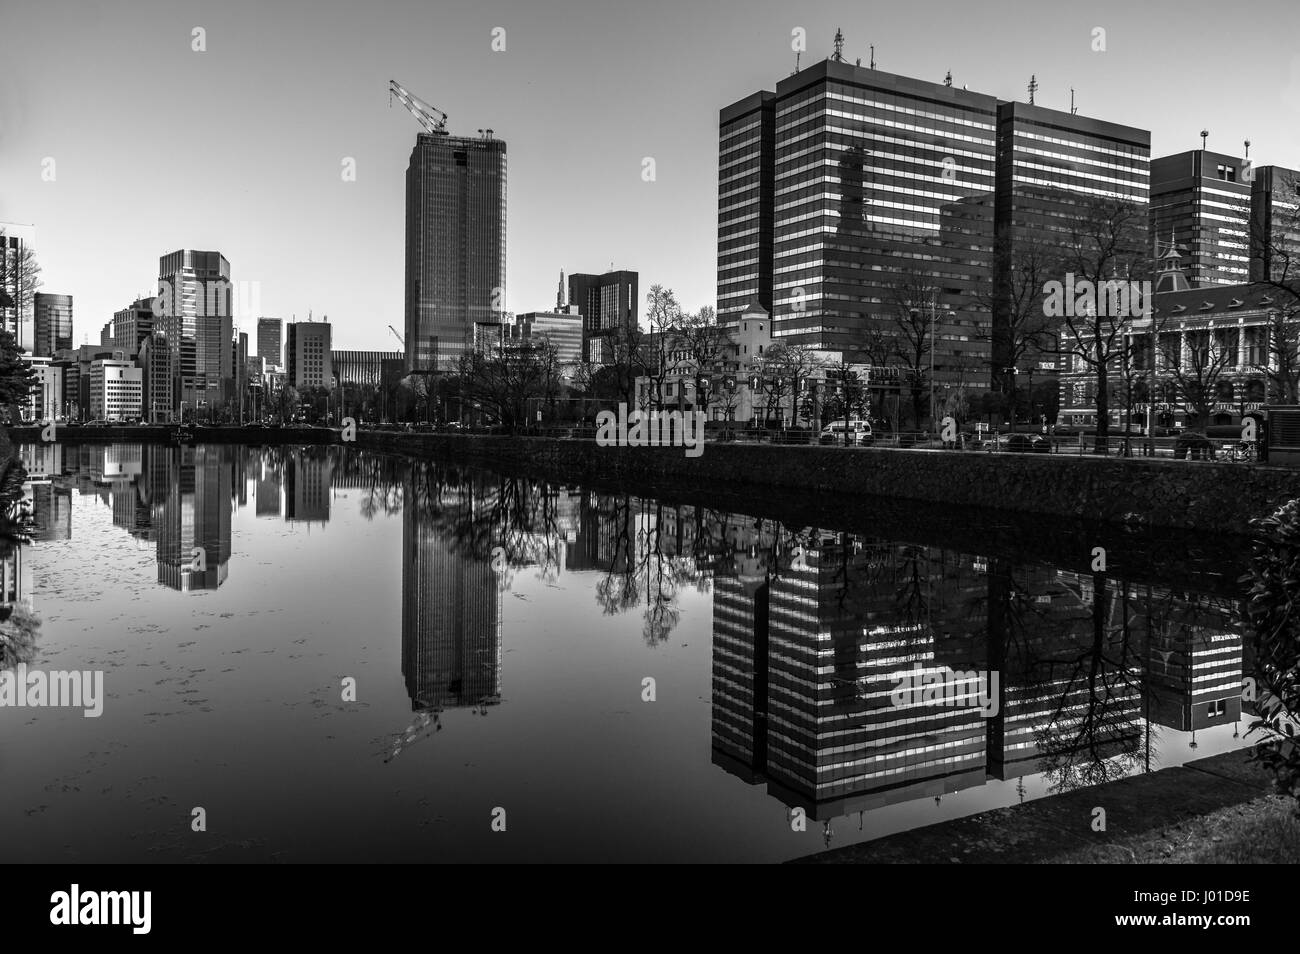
(501, 632)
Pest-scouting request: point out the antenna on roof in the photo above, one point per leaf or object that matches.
(838, 55)
(1073, 108)
(1205, 134)
(947, 80)
(1033, 88)
(873, 56)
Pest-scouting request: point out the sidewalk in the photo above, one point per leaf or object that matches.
(1047, 828)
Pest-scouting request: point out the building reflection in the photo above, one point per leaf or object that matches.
(812, 627)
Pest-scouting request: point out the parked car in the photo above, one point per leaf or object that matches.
(857, 433)
(1020, 442)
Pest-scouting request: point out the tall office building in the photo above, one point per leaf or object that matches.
(854, 204)
(52, 324)
(455, 245)
(132, 325)
(606, 303)
(17, 285)
(746, 174)
(1051, 166)
(269, 342)
(1275, 218)
(1200, 201)
(193, 318)
(879, 191)
(308, 355)
(563, 328)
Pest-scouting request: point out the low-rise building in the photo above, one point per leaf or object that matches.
(116, 390)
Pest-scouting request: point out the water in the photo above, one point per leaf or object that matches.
(774, 632)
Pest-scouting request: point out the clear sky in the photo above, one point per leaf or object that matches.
(240, 148)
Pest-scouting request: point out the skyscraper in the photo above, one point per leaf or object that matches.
(1051, 166)
(132, 325)
(865, 209)
(455, 244)
(1200, 201)
(1275, 224)
(269, 342)
(308, 354)
(606, 303)
(193, 316)
(53, 324)
(850, 196)
(17, 283)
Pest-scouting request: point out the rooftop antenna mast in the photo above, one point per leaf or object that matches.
(1033, 88)
(1205, 134)
(1073, 108)
(947, 80)
(838, 55)
(873, 56)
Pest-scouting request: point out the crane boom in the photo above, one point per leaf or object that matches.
(433, 119)
(398, 337)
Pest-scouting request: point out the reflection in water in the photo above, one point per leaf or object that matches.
(812, 627)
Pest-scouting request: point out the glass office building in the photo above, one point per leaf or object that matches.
(881, 203)
(1200, 201)
(455, 245)
(53, 324)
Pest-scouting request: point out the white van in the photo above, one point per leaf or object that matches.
(859, 433)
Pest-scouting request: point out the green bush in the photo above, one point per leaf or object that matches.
(1273, 612)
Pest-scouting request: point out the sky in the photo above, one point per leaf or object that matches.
(241, 148)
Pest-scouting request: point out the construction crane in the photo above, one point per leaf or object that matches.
(398, 337)
(433, 119)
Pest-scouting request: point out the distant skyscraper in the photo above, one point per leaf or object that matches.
(455, 244)
(132, 325)
(52, 324)
(606, 302)
(307, 352)
(1199, 201)
(16, 284)
(269, 342)
(193, 316)
(562, 328)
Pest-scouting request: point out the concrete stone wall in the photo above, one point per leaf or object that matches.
(1209, 497)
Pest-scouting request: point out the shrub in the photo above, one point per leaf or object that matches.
(1273, 612)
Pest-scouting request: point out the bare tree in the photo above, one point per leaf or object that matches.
(1194, 374)
(1020, 327)
(1107, 246)
(20, 280)
(664, 317)
(913, 308)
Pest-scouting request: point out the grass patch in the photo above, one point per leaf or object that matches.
(1261, 832)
